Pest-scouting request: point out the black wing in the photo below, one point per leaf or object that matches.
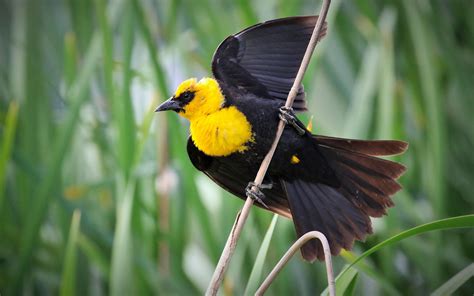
(234, 178)
(264, 59)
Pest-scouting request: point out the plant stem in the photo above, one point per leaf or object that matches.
(291, 251)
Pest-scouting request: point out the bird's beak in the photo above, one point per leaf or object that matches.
(169, 104)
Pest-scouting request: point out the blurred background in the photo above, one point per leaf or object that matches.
(97, 195)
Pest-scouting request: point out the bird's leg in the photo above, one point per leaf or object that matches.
(288, 116)
(257, 194)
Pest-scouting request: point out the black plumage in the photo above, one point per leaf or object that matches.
(337, 184)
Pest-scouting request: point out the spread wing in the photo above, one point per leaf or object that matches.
(234, 178)
(264, 59)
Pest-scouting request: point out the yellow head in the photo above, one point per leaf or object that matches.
(194, 99)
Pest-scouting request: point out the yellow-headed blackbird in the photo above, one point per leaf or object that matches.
(323, 183)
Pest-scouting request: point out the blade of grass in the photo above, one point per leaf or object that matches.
(385, 114)
(160, 84)
(159, 73)
(68, 280)
(343, 284)
(381, 279)
(144, 131)
(127, 130)
(6, 146)
(173, 14)
(420, 33)
(256, 273)
(450, 286)
(21, 87)
(94, 254)
(121, 280)
(368, 270)
(359, 115)
(107, 53)
(427, 75)
(70, 58)
(449, 223)
(18, 51)
(350, 290)
(247, 12)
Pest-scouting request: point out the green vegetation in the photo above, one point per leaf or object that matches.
(97, 195)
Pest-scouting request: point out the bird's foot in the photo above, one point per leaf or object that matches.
(254, 191)
(288, 116)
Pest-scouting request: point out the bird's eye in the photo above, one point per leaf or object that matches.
(187, 96)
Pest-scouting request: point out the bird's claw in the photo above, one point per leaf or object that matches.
(287, 116)
(256, 194)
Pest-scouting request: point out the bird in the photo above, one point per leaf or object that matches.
(329, 184)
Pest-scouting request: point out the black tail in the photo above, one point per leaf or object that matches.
(342, 212)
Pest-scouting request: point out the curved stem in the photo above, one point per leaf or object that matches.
(289, 254)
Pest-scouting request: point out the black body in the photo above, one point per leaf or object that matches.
(337, 184)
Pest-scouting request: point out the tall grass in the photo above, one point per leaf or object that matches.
(78, 84)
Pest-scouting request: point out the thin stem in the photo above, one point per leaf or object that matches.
(289, 254)
(243, 214)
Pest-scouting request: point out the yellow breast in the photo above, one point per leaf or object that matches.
(221, 133)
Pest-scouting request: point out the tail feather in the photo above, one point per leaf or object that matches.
(372, 205)
(371, 165)
(342, 212)
(316, 206)
(376, 184)
(373, 147)
(367, 181)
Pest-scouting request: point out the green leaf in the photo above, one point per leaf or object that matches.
(159, 73)
(256, 273)
(6, 146)
(343, 284)
(121, 279)
(68, 281)
(370, 271)
(351, 287)
(94, 254)
(449, 223)
(359, 114)
(450, 286)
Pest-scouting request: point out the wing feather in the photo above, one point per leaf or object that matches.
(264, 59)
